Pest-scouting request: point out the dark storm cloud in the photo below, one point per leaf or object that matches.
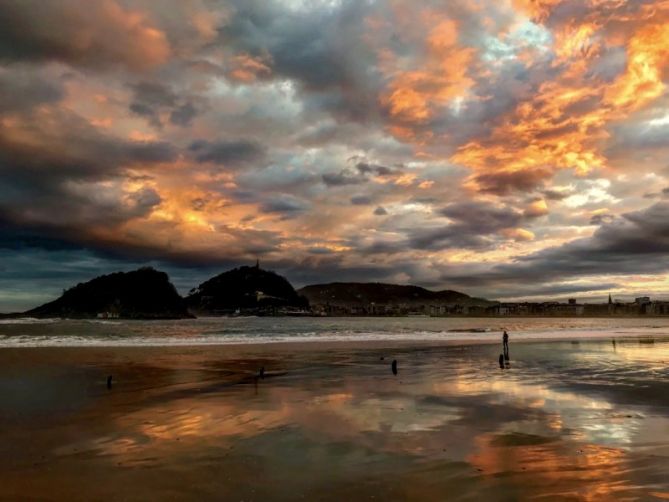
(153, 94)
(54, 245)
(75, 150)
(319, 251)
(22, 89)
(96, 35)
(361, 200)
(284, 204)
(149, 99)
(228, 153)
(367, 168)
(446, 237)
(183, 115)
(636, 243)
(51, 177)
(20, 238)
(482, 218)
(26, 239)
(344, 177)
(503, 183)
(555, 195)
(359, 173)
(599, 219)
(130, 152)
(318, 48)
(152, 99)
(472, 225)
(144, 200)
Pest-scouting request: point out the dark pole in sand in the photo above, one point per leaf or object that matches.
(109, 381)
(394, 366)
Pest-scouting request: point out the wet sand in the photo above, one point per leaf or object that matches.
(584, 420)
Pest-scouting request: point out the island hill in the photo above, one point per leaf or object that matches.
(148, 294)
(141, 294)
(246, 290)
(376, 298)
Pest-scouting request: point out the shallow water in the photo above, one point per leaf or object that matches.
(247, 330)
(586, 420)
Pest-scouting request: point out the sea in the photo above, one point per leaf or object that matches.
(30, 332)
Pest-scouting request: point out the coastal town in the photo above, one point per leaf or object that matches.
(641, 306)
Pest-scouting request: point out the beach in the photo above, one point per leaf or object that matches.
(569, 419)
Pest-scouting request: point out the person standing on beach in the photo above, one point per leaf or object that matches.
(505, 345)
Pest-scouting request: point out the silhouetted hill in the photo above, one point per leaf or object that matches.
(244, 288)
(346, 294)
(141, 294)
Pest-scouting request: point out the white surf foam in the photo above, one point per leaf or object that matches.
(311, 337)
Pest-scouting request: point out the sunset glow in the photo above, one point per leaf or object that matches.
(508, 149)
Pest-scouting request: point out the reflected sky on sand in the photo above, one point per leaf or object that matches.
(566, 421)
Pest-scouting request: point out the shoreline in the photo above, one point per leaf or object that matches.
(315, 333)
(362, 343)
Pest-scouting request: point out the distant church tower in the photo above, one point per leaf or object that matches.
(610, 301)
(258, 266)
(610, 304)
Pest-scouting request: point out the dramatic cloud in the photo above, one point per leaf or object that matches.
(635, 243)
(95, 34)
(512, 149)
(284, 204)
(22, 89)
(227, 153)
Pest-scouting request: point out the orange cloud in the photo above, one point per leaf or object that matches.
(413, 96)
(518, 234)
(143, 46)
(563, 125)
(246, 68)
(538, 10)
(648, 60)
(536, 208)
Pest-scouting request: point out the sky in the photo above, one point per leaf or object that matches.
(509, 149)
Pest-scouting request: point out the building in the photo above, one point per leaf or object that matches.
(657, 308)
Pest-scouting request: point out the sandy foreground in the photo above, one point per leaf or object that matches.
(584, 420)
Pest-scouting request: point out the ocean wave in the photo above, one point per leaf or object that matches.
(343, 336)
(28, 320)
